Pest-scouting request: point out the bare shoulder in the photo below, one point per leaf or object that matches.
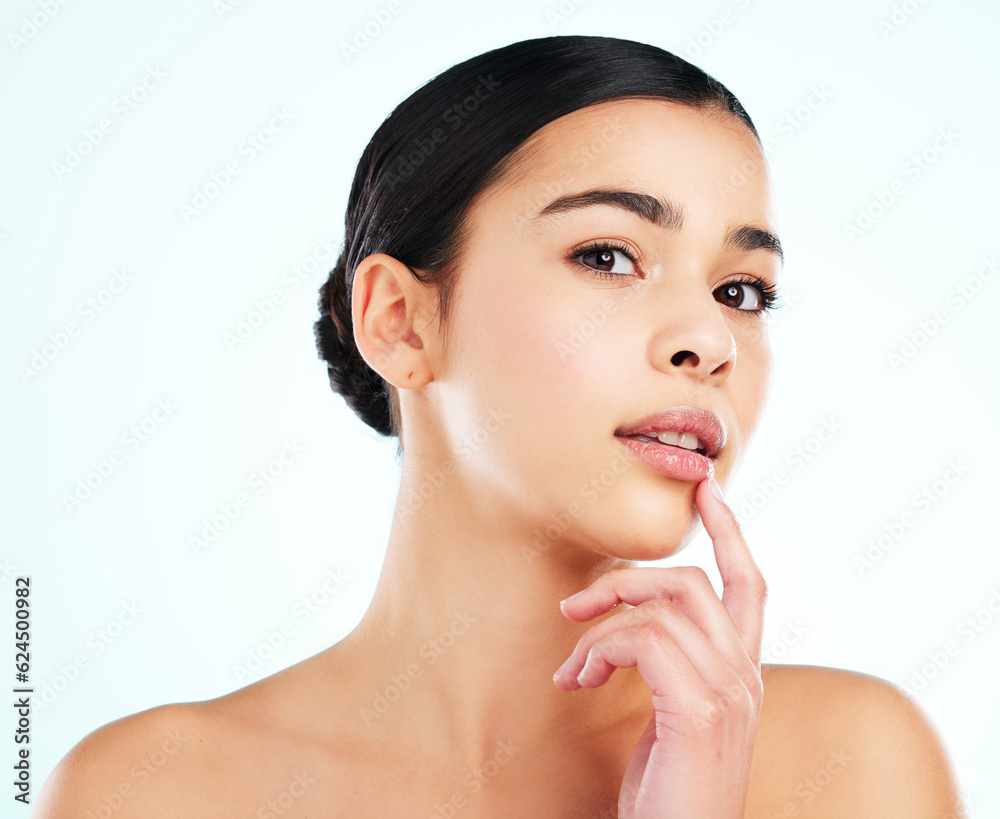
(251, 752)
(132, 767)
(833, 742)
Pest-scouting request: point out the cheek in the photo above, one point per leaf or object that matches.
(536, 353)
(750, 390)
(569, 356)
(538, 339)
(758, 369)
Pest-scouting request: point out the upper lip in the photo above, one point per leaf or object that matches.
(703, 423)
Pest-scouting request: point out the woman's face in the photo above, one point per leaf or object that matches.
(547, 357)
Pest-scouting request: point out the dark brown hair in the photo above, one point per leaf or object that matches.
(450, 140)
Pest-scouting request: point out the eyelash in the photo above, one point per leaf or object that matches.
(769, 293)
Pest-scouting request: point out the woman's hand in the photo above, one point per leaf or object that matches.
(701, 658)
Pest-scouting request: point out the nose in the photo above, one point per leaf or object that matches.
(692, 337)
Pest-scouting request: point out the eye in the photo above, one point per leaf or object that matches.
(611, 259)
(763, 296)
(608, 259)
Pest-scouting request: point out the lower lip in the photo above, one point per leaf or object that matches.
(674, 461)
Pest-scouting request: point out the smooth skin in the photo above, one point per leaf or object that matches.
(514, 495)
(701, 659)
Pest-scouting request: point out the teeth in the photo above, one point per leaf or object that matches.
(686, 440)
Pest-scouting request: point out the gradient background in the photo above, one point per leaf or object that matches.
(892, 75)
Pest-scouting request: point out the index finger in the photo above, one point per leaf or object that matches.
(744, 589)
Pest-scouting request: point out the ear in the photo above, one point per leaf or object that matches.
(386, 304)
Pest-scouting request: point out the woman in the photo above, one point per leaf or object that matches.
(557, 260)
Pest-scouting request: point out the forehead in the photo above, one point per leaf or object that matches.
(705, 160)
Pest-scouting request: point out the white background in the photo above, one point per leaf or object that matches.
(894, 76)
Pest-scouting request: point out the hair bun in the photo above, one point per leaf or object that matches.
(363, 389)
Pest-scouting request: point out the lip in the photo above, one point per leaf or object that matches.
(675, 461)
(706, 425)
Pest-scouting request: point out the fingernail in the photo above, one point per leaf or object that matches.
(560, 669)
(572, 596)
(715, 489)
(585, 671)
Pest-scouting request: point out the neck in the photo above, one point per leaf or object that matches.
(460, 642)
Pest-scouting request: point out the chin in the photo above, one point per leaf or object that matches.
(648, 543)
(659, 552)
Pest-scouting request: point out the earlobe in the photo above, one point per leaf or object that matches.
(385, 303)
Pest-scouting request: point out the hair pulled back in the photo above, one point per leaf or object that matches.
(450, 140)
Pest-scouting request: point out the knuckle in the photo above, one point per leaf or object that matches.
(733, 705)
(757, 586)
(711, 709)
(654, 636)
(754, 686)
(659, 607)
(741, 698)
(695, 577)
(635, 616)
(618, 638)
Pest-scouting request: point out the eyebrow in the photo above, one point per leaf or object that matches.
(663, 214)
